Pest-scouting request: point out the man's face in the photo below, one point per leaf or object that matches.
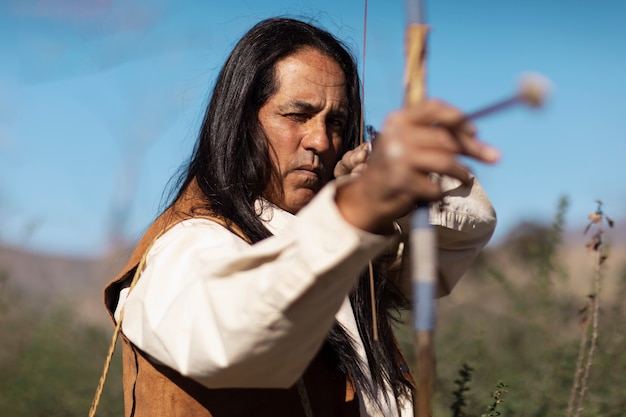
(304, 122)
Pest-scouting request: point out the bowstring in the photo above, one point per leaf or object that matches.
(361, 140)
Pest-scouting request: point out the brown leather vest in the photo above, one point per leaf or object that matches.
(154, 390)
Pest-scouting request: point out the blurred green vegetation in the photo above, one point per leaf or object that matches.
(50, 361)
(510, 321)
(516, 324)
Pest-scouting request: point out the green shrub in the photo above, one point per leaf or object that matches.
(51, 362)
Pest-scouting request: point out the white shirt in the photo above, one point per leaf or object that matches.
(234, 315)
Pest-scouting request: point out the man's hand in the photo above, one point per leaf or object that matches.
(353, 162)
(414, 143)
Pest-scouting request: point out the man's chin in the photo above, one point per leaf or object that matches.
(301, 198)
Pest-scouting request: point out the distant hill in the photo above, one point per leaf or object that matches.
(46, 279)
(49, 278)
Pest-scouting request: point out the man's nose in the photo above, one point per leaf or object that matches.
(317, 138)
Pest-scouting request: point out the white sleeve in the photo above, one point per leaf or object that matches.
(464, 222)
(230, 314)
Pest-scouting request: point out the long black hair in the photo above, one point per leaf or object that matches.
(232, 165)
(231, 160)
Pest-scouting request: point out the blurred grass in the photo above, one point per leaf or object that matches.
(50, 361)
(511, 320)
(514, 318)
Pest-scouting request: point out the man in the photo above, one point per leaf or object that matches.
(250, 301)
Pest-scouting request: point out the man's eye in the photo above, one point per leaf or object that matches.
(337, 122)
(300, 117)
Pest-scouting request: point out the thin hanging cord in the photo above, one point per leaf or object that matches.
(116, 332)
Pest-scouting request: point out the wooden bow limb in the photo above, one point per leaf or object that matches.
(423, 237)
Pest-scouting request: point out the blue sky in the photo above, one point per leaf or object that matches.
(100, 101)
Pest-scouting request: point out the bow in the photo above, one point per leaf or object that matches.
(532, 92)
(423, 237)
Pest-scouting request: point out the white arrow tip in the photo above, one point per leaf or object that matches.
(534, 89)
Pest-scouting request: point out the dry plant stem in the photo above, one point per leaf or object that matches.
(594, 335)
(579, 365)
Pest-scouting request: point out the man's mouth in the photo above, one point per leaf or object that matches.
(309, 175)
(309, 170)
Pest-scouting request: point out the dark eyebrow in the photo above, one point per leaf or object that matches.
(311, 108)
(300, 106)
